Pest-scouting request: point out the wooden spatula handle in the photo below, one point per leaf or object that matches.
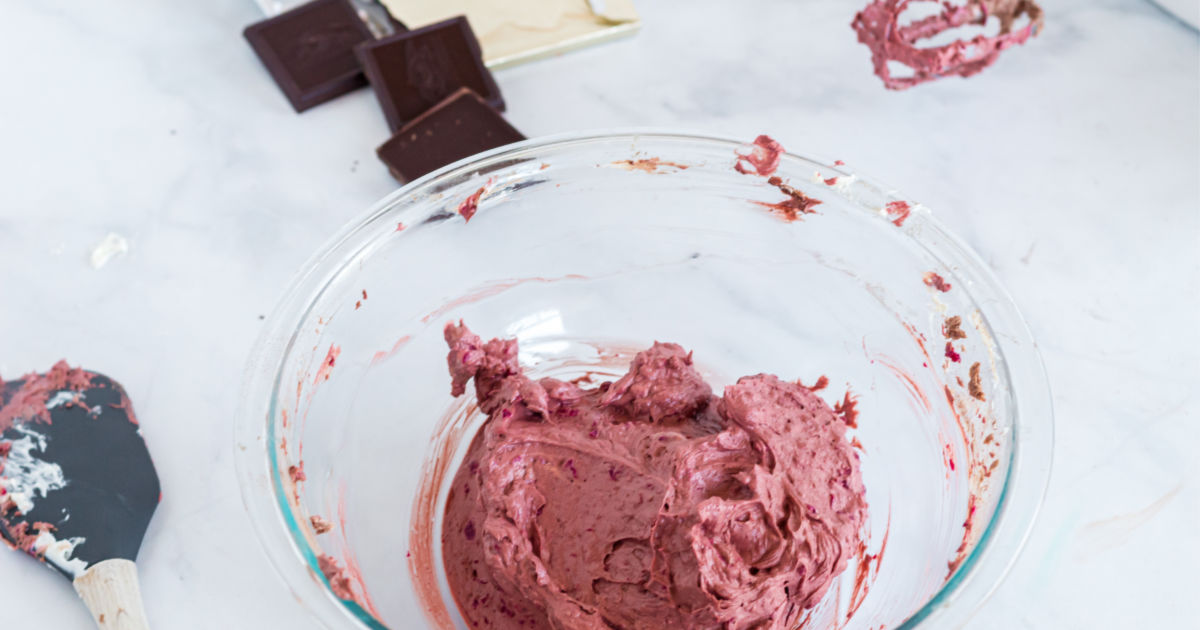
(110, 590)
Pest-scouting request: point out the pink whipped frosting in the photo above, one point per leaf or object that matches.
(647, 502)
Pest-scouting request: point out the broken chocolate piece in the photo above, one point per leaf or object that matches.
(309, 51)
(413, 71)
(460, 126)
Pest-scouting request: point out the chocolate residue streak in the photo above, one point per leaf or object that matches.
(952, 328)
(327, 364)
(384, 355)
(763, 157)
(951, 354)
(795, 206)
(489, 290)
(320, 525)
(897, 212)
(649, 165)
(975, 385)
(878, 26)
(935, 281)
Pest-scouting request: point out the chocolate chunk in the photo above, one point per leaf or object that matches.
(309, 51)
(460, 126)
(414, 70)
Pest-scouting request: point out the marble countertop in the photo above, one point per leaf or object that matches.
(1072, 166)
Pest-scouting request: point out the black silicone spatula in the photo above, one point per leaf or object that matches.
(77, 486)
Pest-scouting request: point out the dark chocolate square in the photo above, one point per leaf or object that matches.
(309, 51)
(413, 71)
(459, 126)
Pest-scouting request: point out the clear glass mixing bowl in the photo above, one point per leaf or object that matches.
(587, 248)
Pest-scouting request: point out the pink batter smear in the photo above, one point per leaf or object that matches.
(897, 212)
(327, 364)
(867, 569)
(470, 205)
(346, 582)
(649, 165)
(383, 355)
(647, 502)
(795, 206)
(339, 582)
(490, 290)
(320, 525)
(878, 26)
(763, 157)
(352, 571)
(29, 402)
(296, 473)
(935, 281)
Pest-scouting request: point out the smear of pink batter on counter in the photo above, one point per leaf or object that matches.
(320, 525)
(878, 26)
(763, 157)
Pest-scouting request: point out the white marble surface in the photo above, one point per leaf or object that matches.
(1073, 167)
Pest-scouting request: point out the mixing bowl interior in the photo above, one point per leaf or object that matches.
(587, 250)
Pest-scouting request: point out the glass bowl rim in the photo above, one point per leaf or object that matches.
(264, 498)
